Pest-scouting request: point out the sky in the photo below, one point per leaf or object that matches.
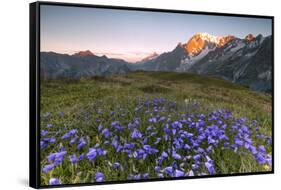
(133, 35)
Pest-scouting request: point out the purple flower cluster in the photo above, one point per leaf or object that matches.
(54, 181)
(54, 159)
(157, 139)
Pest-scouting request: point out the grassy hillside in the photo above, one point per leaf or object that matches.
(100, 111)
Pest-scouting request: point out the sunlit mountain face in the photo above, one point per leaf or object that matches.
(249, 37)
(199, 41)
(84, 53)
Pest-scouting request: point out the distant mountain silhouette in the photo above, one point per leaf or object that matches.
(245, 61)
(55, 65)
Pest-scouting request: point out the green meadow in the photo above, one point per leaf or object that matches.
(87, 103)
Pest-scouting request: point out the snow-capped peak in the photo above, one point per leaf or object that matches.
(198, 42)
(224, 40)
(207, 37)
(249, 37)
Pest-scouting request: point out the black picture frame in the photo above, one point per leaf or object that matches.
(34, 94)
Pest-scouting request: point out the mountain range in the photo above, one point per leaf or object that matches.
(246, 61)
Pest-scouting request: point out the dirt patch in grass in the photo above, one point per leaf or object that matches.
(155, 89)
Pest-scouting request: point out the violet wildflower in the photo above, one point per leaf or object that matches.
(116, 165)
(253, 149)
(100, 151)
(48, 167)
(190, 173)
(176, 156)
(81, 157)
(54, 181)
(49, 140)
(145, 175)
(262, 149)
(210, 167)
(43, 144)
(106, 133)
(164, 155)
(51, 157)
(160, 175)
(60, 157)
(115, 143)
(178, 173)
(268, 140)
(269, 160)
(69, 134)
(238, 142)
(197, 157)
(152, 120)
(91, 154)
(136, 134)
(99, 177)
(44, 133)
(260, 158)
(137, 177)
(61, 113)
(157, 168)
(73, 159)
(73, 140)
(81, 144)
(177, 124)
(129, 145)
(169, 170)
(72, 131)
(49, 125)
(157, 140)
(100, 127)
(149, 149)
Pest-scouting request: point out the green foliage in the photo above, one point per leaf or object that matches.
(80, 100)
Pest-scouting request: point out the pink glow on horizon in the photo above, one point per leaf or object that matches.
(133, 35)
(130, 56)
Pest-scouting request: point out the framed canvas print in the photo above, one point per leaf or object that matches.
(122, 94)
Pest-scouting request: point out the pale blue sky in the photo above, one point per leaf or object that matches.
(132, 35)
